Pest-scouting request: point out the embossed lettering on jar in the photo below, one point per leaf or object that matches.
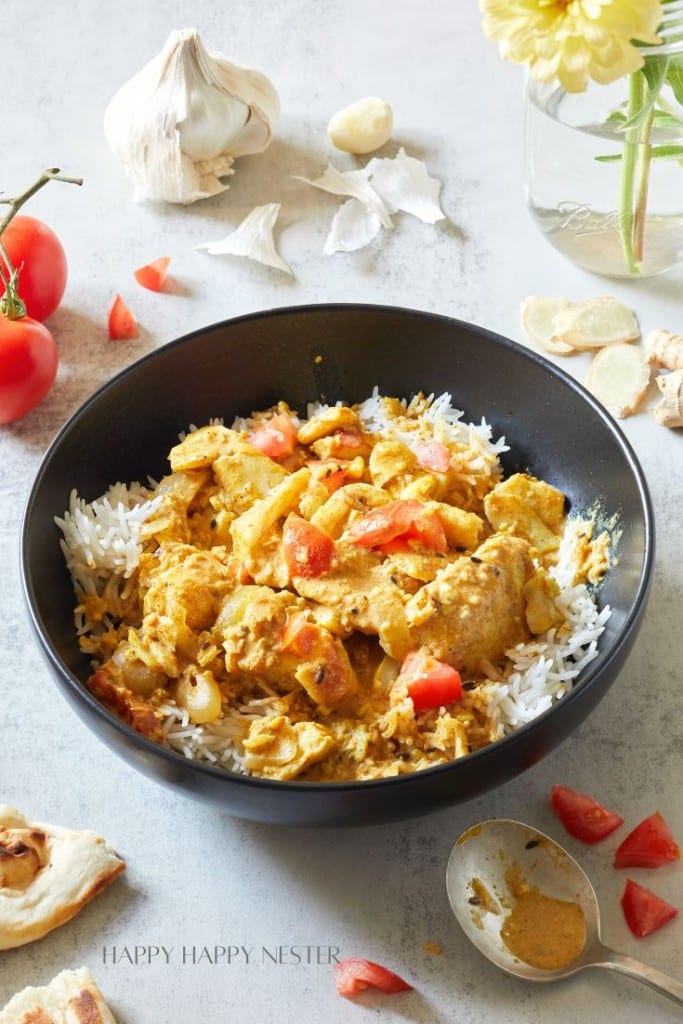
(582, 157)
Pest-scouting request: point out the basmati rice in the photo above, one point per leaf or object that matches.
(102, 546)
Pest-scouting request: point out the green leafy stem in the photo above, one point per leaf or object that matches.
(643, 113)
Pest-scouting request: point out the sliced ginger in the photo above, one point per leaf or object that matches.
(595, 323)
(538, 316)
(618, 378)
(562, 327)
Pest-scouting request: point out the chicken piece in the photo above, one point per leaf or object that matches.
(391, 462)
(475, 609)
(182, 588)
(463, 529)
(326, 422)
(364, 597)
(249, 626)
(541, 611)
(202, 447)
(394, 466)
(344, 444)
(334, 515)
(547, 501)
(245, 475)
(257, 542)
(168, 520)
(413, 566)
(527, 508)
(268, 634)
(276, 749)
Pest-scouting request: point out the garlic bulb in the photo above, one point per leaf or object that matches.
(179, 123)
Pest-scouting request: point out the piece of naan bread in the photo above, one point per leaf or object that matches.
(47, 874)
(71, 998)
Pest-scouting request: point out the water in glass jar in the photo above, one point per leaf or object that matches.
(573, 190)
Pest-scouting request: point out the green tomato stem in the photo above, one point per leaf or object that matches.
(641, 189)
(628, 171)
(11, 306)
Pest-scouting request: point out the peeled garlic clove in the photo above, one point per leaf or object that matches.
(595, 323)
(538, 322)
(180, 122)
(362, 127)
(618, 378)
(252, 238)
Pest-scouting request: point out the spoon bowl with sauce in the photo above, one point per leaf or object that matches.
(529, 907)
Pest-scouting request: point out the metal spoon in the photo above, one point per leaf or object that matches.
(480, 898)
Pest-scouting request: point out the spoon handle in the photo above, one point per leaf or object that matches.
(633, 968)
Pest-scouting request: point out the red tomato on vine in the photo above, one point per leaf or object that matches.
(37, 255)
(32, 281)
(28, 365)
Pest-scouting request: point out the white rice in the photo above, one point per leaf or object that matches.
(101, 545)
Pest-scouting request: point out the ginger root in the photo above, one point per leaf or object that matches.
(669, 412)
(664, 349)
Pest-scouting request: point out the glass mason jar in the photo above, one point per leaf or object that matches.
(605, 187)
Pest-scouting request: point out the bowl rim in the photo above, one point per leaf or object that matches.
(229, 776)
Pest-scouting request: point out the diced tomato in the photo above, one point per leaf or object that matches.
(348, 439)
(408, 519)
(275, 438)
(649, 845)
(153, 275)
(308, 550)
(354, 975)
(122, 323)
(644, 912)
(330, 472)
(433, 455)
(582, 816)
(294, 635)
(430, 683)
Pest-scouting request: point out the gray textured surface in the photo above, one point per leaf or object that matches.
(197, 878)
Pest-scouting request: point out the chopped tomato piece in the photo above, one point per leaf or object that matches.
(433, 455)
(644, 912)
(430, 683)
(275, 438)
(649, 845)
(153, 275)
(330, 472)
(582, 816)
(408, 519)
(308, 550)
(354, 975)
(348, 439)
(294, 633)
(122, 323)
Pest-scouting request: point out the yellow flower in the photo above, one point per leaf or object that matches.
(573, 40)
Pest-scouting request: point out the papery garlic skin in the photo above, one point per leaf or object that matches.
(253, 238)
(180, 122)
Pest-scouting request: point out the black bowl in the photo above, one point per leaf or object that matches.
(124, 431)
